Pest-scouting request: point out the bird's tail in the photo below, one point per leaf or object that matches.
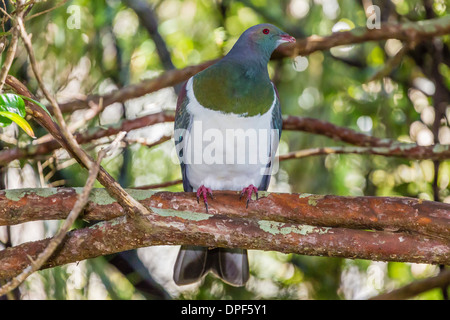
(193, 262)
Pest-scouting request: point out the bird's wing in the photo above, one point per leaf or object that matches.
(276, 128)
(183, 123)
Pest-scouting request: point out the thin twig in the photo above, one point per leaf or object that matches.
(46, 11)
(149, 21)
(57, 112)
(417, 287)
(134, 209)
(73, 215)
(58, 238)
(144, 141)
(160, 185)
(29, 151)
(391, 64)
(5, 12)
(89, 114)
(404, 150)
(10, 53)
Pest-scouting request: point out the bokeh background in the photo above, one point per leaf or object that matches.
(105, 46)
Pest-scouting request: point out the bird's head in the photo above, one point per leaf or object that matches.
(263, 38)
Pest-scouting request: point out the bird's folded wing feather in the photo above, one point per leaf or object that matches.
(183, 123)
(276, 125)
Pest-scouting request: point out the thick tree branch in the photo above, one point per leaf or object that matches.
(298, 223)
(378, 213)
(415, 222)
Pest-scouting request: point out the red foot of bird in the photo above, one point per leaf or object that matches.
(249, 191)
(204, 191)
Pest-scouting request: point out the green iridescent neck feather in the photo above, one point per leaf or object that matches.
(230, 87)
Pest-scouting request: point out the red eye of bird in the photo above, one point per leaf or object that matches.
(266, 31)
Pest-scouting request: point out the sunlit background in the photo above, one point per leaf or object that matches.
(110, 49)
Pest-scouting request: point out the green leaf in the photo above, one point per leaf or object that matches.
(4, 122)
(21, 122)
(39, 104)
(12, 103)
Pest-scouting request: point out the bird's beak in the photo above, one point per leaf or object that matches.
(287, 38)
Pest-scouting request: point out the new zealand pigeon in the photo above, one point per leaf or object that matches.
(227, 128)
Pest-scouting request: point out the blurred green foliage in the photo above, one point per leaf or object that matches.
(112, 49)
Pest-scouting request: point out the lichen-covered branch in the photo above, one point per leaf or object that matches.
(275, 222)
(376, 228)
(377, 213)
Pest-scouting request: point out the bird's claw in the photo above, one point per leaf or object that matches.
(249, 191)
(204, 192)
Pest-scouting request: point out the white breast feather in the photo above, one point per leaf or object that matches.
(203, 141)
